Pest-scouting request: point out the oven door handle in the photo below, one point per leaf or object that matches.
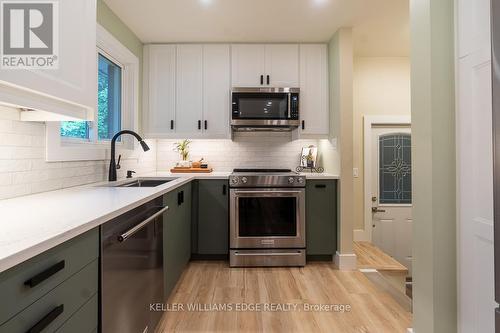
(268, 192)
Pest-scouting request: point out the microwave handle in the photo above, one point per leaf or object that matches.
(289, 105)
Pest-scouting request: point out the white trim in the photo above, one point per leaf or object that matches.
(60, 149)
(345, 262)
(369, 122)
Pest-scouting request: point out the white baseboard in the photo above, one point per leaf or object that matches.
(360, 235)
(345, 262)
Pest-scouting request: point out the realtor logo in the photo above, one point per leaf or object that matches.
(29, 34)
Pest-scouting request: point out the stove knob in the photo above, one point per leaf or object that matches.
(291, 180)
(234, 180)
(300, 180)
(244, 180)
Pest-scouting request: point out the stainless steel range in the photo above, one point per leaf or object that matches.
(267, 218)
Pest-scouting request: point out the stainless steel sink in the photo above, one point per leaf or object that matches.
(141, 182)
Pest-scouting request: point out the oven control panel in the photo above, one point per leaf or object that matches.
(262, 180)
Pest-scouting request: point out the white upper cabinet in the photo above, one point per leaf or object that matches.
(71, 89)
(255, 65)
(248, 65)
(314, 106)
(282, 65)
(159, 89)
(216, 90)
(186, 91)
(189, 97)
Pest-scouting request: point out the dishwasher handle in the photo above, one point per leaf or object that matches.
(123, 237)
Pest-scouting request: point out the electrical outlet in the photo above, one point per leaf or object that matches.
(355, 172)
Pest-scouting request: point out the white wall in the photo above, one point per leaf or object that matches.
(381, 87)
(23, 169)
(257, 149)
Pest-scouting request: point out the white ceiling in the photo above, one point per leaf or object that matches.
(381, 27)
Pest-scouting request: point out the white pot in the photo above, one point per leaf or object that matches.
(184, 164)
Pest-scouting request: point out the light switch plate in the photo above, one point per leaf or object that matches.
(355, 172)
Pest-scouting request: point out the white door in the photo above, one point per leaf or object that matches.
(216, 90)
(475, 169)
(391, 192)
(282, 65)
(159, 89)
(314, 110)
(247, 65)
(189, 89)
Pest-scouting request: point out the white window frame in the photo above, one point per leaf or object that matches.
(73, 149)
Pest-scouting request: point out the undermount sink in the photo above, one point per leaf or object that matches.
(141, 182)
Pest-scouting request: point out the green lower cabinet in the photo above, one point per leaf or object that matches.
(85, 320)
(321, 218)
(176, 235)
(51, 312)
(212, 221)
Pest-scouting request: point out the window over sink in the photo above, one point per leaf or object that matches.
(109, 106)
(117, 98)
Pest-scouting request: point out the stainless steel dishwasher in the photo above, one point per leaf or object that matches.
(132, 269)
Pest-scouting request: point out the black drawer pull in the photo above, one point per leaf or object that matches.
(171, 124)
(40, 277)
(47, 320)
(199, 124)
(180, 198)
(303, 124)
(261, 79)
(206, 125)
(320, 186)
(224, 189)
(267, 80)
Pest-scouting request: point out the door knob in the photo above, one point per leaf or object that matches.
(376, 210)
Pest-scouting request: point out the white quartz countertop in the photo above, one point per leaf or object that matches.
(35, 223)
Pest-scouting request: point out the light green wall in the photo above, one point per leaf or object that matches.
(433, 131)
(120, 31)
(340, 58)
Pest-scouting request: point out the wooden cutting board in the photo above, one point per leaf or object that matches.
(191, 170)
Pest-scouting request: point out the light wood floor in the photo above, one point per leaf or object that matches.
(370, 256)
(372, 310)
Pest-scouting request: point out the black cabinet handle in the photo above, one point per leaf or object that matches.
(199, 124)
(47, 320)
(206, 124)
(320, 186)
(267, 79)
(171, 124)
(261, 79)
(303, 124)
(224, 189)
(180, 198)
(40, 277)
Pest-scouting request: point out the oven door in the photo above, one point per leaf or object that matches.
(267, 218)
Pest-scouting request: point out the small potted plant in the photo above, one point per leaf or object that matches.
(182, 148)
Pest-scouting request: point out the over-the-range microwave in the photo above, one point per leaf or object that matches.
(266, 108)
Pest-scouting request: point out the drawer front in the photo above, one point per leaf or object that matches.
(23, 284)
(84, 320)
(51, 311)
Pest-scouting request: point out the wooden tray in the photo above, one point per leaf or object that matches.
(191, 170)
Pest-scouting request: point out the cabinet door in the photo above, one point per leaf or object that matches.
(188, 113)
(176, 235)
(216, 90)
(321, 217)
(247, 64)
(159, 85)
(213, 222)
(75, 80)
(282, 65)
(314, 111)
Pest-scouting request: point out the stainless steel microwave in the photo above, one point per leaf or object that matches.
(265, 108)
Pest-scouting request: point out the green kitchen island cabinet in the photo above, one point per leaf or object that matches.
(176, 235)
(211, 219)
(321, 219)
